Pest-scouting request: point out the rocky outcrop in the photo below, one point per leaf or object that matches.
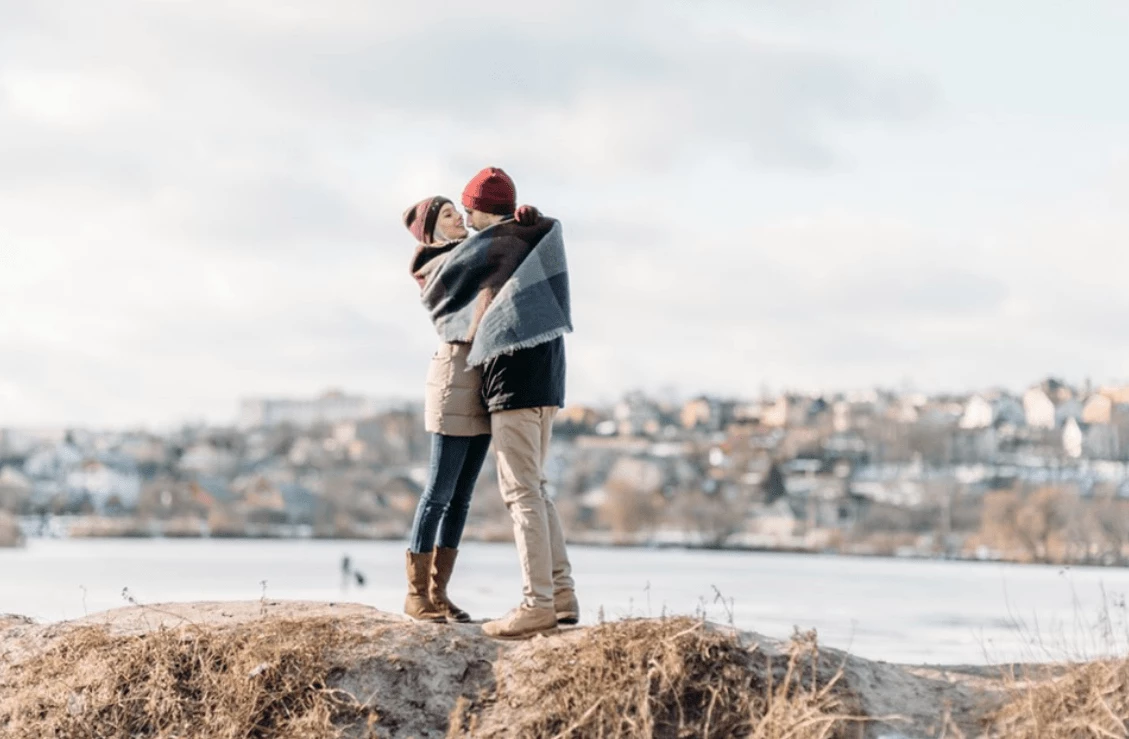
(326, 669)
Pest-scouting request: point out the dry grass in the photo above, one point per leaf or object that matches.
(270, 678)
(1077, 701)
(273, 677)
(667, 678)
(261, 680)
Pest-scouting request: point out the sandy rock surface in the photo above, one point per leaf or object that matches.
(416, 673)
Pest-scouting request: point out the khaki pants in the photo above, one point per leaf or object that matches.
(521, 443)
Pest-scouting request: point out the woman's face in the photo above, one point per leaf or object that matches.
(449, 225)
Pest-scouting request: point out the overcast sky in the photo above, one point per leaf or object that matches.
(200, 199)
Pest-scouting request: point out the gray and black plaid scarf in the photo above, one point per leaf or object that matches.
(501, 290)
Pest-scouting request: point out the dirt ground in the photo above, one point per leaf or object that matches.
(382, 675)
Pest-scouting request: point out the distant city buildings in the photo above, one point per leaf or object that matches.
(331, 407)
(872, 471)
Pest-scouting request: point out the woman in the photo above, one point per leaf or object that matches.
(460, 426)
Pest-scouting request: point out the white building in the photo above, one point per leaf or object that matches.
(332, 407)
(635, 415)
(978, 414)
(1039, 409)
(906, 410)
(640, 475)
(209, 460)
(1072, 438)
(104, 483)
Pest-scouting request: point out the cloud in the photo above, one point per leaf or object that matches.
(201, 200)
(556, 87)
(838, 300)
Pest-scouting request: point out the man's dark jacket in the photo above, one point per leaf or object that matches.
(528, 378)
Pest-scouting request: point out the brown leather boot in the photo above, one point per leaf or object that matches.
(418, 605)
(441, 568)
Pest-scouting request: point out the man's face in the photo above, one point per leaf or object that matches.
(476, 219)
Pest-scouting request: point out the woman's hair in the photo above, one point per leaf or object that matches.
(437, 234)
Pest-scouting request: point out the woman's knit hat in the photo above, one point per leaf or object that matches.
(420, 218)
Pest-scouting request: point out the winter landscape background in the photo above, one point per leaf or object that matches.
(848, 283)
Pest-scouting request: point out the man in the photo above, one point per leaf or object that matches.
(523, 389)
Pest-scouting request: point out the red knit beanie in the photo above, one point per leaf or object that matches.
(491, 191)
(420, 218)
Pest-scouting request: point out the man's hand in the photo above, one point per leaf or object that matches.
(527, 215)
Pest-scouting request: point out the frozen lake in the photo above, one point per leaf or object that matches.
(898, 610)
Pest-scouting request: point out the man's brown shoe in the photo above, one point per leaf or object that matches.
(522, 622)
(567, 607)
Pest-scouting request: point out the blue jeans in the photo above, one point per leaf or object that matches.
(443, 507)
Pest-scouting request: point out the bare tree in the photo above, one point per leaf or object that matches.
(1033, 528)
(627, 509)
(711, 517)
(1107, 527)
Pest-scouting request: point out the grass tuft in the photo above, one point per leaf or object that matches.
(262, 680)
(1072, 701)
(661, 678)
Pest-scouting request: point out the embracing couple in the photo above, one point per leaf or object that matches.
(499, 300)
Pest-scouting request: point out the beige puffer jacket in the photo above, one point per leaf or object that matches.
(453, 402)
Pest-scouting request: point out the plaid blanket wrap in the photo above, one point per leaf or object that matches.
(501, 290)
